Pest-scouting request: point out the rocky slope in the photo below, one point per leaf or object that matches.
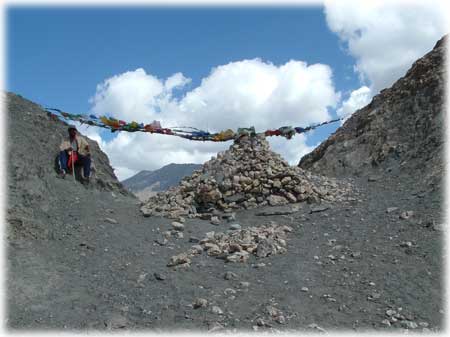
(34, 191)
(401, 129)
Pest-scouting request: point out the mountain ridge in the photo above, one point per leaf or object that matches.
(399, 130)
(160, 179)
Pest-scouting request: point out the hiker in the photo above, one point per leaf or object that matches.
(75, 149)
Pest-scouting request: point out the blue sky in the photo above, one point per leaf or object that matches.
(58, 56)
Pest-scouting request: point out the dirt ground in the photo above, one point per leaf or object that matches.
(352, 266)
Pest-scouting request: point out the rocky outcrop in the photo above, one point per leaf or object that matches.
(247, 175)
(401, 129)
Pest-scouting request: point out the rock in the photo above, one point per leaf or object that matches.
(265, 248)
(235, 227)
(260, 322)
(213, 250)
(110, 220)
(229, 216)
(197, 249)
(179, 259)
(178, 226)
(286, 180)
(438, 227)
(244, 284)
(216, 310)
(275, 200)
(215, 220)
(141, 278)
(313, 199)
(391, 209)
(200, 303)
(318, 209)
(179, 235)
(159, 276)
(386, 322)
(355, 254)
(235, 247)
(229, 291)
(316, 327)
(409, 324)
(238, 257)
(291, 197)
(117, 322)
(374, 296)
(277, 184)
(406, 215)
(230, 276)
(390, 312)
(193, 239)
(280, 319)
(205, 216)
(237, 198)
(272, 311)
(162, 241)
(305, 289)
(216, 327)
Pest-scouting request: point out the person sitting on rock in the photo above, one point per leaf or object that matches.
(73, 150)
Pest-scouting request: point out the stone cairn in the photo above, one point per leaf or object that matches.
(237, 245)
(247, 175)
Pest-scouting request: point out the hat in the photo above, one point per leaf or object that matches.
(71, 126)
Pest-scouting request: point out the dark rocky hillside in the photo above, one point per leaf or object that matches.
(401, 130)
(34, 192)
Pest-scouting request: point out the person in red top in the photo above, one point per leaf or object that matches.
(75, 149)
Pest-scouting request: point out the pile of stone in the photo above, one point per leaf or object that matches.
(237, 245)
(247, 175)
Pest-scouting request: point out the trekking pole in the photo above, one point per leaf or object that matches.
(73, 166)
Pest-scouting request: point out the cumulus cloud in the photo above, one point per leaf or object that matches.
(386, 37)
(239, 94)
(358, 99)
(252, 92)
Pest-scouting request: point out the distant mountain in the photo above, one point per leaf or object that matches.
(159, 180)
(138, 181)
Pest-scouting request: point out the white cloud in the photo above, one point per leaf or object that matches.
(239, 94)
(386, 37)
(290, 149)
(176, 81)
(130, 96)
(255, 93)
(141, 151)
(358, 99)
